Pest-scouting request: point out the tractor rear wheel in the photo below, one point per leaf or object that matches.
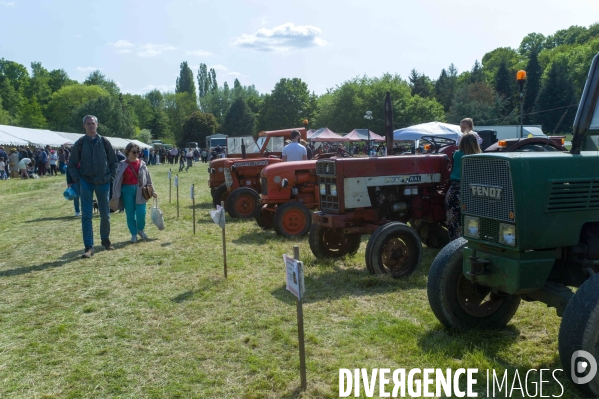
(243, 202)
(265, 217)
(292, 219)
(220, 194)
(579, 331)
(461, 304)
(330, 243)
(394, 249)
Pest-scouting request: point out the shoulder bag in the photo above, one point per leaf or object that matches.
(147, 191)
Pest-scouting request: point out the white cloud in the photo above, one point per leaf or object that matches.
(8, 3)
(152, 50)
(282, 38)
(122, 46)
(88, 69)
(199, 53)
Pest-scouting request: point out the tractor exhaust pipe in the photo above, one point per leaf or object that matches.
(243, 156)
(388, 125)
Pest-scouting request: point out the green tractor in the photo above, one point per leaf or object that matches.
(530, 232)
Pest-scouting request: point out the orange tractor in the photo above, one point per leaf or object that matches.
(269, 145)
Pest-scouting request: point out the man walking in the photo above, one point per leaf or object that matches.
(93, 165)
(294, 151)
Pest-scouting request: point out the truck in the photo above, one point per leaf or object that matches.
(268, 144)
(530, 233)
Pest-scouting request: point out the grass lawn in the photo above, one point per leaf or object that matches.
(158, 320)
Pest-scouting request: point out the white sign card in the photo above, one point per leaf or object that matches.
(294, 276)
(176, 181)
(169, 174)
(191, 192)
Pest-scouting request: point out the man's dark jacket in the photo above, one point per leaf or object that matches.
(96, 163)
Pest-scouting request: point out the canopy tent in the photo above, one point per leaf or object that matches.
(120, 143)
(310, 132)
(325, 134)
(362, 135)
(7, 139)
(70, 136)
(139, 143)
(437, 129)
(38, 137)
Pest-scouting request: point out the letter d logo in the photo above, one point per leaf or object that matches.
(579, 366)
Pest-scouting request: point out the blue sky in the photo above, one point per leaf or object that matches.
(140, 44)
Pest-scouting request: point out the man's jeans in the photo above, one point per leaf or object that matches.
(87, 210)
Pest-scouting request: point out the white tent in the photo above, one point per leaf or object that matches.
(70, 136)
(39, 137)
(7, 139)
(437, 129)
(140, 144)
(118, 142)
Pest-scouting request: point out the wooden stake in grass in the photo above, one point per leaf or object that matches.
(170, 184)
(300, 329)
(177, 185)
(193, 202)
(222, 204)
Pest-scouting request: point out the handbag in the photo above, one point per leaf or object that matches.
(116, 204)
(157, 216)
(147, 191)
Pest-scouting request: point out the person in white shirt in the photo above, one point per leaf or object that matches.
(294, 151)
(23, 163)
(466, 126)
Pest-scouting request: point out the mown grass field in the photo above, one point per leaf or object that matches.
(158, 320)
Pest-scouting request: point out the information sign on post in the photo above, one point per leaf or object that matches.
(193, 207)
(177, 186)
(294, 276)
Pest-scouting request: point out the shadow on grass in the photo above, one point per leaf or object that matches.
(333, 282)
(63, 260)
(205, 286)
(52, 219)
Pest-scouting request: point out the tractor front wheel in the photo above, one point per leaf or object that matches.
(579, 333)
(330, 243)
(457, 302)
(220, 195)
(292, 219)
(394, 249)
(243, 203)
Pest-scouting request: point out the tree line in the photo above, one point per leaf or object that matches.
(556, 65)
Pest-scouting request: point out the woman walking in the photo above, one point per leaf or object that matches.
(132, 174)
(468, 145)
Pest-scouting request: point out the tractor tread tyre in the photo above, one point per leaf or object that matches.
(220, 194)
(443, 289)
(251, 197)
(264, 218)
(292, 219)
(579, 330)
(408, 243)
(316, 239)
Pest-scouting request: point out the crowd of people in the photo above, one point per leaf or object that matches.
(29, 163)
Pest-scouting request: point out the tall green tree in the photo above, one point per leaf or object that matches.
(476, 74)
(11, 98)
(64, 101)
(97, 78)
(478, 101)
(239, 120)
(533, 42)
(39, 84)
(16, 73)
(58, 79)
(533, 84)
(505, 87)
(197, 127)
(31, 115)
(555, 104)
(203, 81)
(178, 107)
(287, 106)
(420, 84)
(445, 86)
(113, 118)
(185, 81)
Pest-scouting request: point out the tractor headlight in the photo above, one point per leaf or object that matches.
(284, 183)
(323, 189)
(333, 188)
(471, 227)
(507, 234)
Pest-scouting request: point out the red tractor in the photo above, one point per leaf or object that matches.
(379, 196)
(289, 191)
(268, 143)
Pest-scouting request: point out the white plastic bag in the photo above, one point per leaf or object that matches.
(157, 216)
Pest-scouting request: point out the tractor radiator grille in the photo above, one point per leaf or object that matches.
(489, 230)
(494, 198)
(325, 168)
(328, 202)
(573, 195)
(264, 183)
(228, 178)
